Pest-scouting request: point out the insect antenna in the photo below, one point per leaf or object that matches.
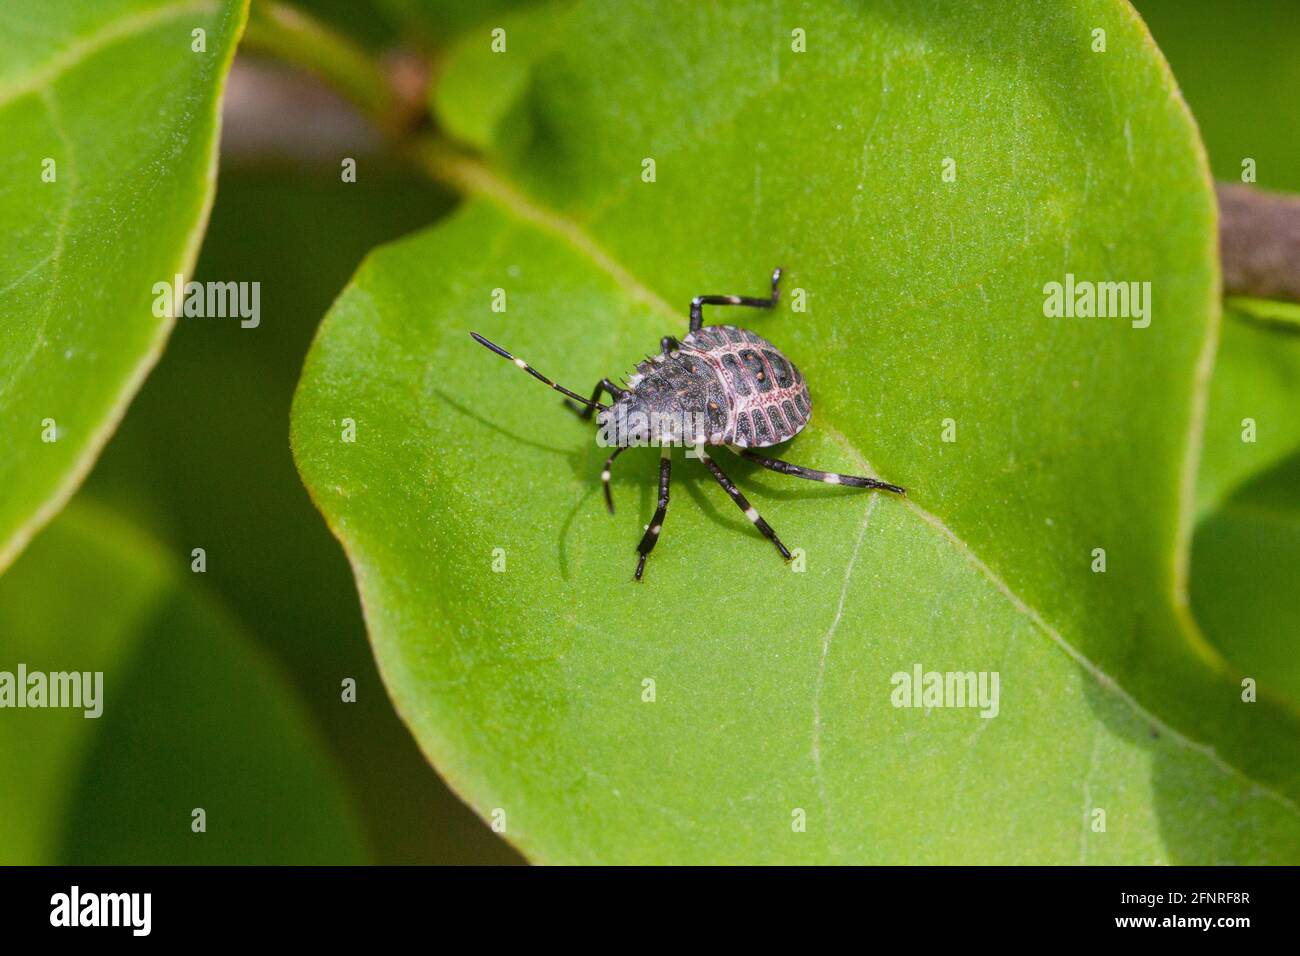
(536, 374)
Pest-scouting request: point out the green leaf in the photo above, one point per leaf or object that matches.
(1285, 315)
(1251, 424)
(367, 22)
(270, 560)
(114, 97)
(474, 98)
(439, 20)
(199, 722)
(925, 302)
(432, 24)
(1243, 579)
(1239, 73)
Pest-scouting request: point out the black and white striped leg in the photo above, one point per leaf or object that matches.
(812, 474)
(743, 504)
(697, 317)
(604, 385)
(604, 476)
(651, 536)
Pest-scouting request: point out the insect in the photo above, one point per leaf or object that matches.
(720, 385)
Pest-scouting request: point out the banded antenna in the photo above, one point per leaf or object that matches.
(536, 374)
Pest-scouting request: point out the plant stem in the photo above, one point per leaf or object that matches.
(286, 33)
(1259, 243)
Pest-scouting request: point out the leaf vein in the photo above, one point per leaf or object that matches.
(825, 653)
(55, 258)
(1101, 677)
(69, 57)
(471, 177)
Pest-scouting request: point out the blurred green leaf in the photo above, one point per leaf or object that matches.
(1236, 65)
(1268, 311)
(432, 24)
(925, 303)
(441, 20)
(1238, 69)
(1251, 423)
(110, 121)
(474, 97)
(369, 22)
(203, 460)
(1248, 533)
(1244, 569)
(192, 717)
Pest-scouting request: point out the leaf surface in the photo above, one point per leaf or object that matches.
(924, 303)
(1243, 578)
(110, 121)
(1239, 73)
(227, 389)
(200, 722)
(1252, 423)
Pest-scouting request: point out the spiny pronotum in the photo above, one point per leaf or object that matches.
(720, 385)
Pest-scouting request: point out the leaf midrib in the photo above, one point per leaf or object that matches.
(473, 178)
(124, 28)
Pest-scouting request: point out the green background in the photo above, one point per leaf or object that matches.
(202, 460)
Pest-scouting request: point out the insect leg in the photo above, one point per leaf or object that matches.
(651, 536)
(604, 476)
(604, 385)
(827, 477)
(743, 504)
(697, 318)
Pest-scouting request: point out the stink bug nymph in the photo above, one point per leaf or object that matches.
(720, 385)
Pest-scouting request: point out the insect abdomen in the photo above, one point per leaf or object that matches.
(766, 393)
